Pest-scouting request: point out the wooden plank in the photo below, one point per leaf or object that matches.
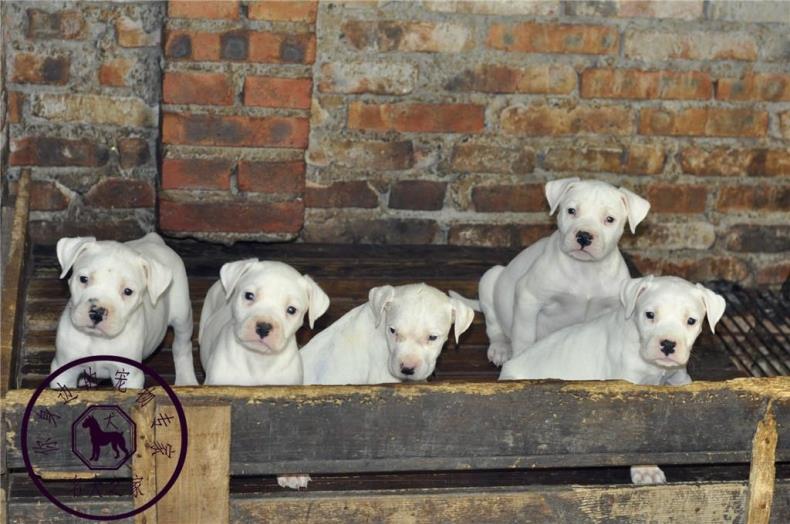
(13, 287)
(143, 463)
(200, 495)
(700, 503)
(763, 469)
(709, 502)
(447, 426)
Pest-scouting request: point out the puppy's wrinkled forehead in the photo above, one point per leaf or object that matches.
(594, 193)
(673, 293)
(110, 260)
(275, 277)
(420, 303)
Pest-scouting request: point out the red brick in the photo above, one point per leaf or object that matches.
(49, 231)
(66, 25)
(282, 48)
(30, 68)
(423, 195)
(694, 269)
(652, 46)
(539, 119)
(234, 131)
(770, 87)
(729, 161)
(133, 152)
(197, 88)
(241, 46)
(419, 118)
(480, 235)
(531, 37)
(482, 158)
(527, 198)
(703, 121)
(203, 9)
(371, 231)
(283, 11)
(196, 173)
(692, 234)
(754, 198)
(636, 84)
(747, 238)
(635, 159)
(784, 124)
(272, 177)
(354, 193)
(47, 196)
(540, 79)
(528, 234)
(772, 273)
(230, 216)
(408, 36)
(364, 154)
(121, 193)
(16, 101)
(675, 198)
(115, 72)
(50, 151)
(267, 91)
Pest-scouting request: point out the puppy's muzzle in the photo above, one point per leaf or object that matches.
(263, 329)
(584, 238)
(97, 314)
(667, 347)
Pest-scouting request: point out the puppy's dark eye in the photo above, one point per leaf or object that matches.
(83, 279)
(610, 220)
(291, 310)
(432, 337)
(128, 292)
(691, 321)
(392, 330)
(571, 210)
(650, 315)
(249, 296)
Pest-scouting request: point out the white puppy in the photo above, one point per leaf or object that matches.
(123, 298)
(397, 335)
(647, 340)
(568, 277)
(248, 328)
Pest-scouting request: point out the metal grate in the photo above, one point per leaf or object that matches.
(755, 329)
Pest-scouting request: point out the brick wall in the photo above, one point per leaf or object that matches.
(440, 122)
(407, 122)
(236, 103)
(82, 91)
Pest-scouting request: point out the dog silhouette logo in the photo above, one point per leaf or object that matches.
(104, 437)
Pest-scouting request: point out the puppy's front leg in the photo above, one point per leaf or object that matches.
(525, 321)
(679, 378)
(293, 481)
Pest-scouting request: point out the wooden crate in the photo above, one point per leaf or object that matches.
(462, 448)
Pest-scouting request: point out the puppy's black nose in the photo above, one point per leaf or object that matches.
(584, 238)
(262, 329)
(667, 347)
(96, 314)
(407, 371)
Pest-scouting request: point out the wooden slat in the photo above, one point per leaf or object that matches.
(763, 469)
(143, 463)
(200, 495)
(447, 426)
(13, 287)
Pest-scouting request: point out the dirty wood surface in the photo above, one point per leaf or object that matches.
(346, 273)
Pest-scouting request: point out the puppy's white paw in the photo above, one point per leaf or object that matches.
(187, 381)
(499, 353)
(293, 481)
(647, 475)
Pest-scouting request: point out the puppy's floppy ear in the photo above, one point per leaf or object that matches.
(379, 298)
(630, 291)
(69, 249)
(555, 189)
(463, 316)
(157, 278)
(319, 301)
(714, 306)
(636, 207)
(230, 273)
